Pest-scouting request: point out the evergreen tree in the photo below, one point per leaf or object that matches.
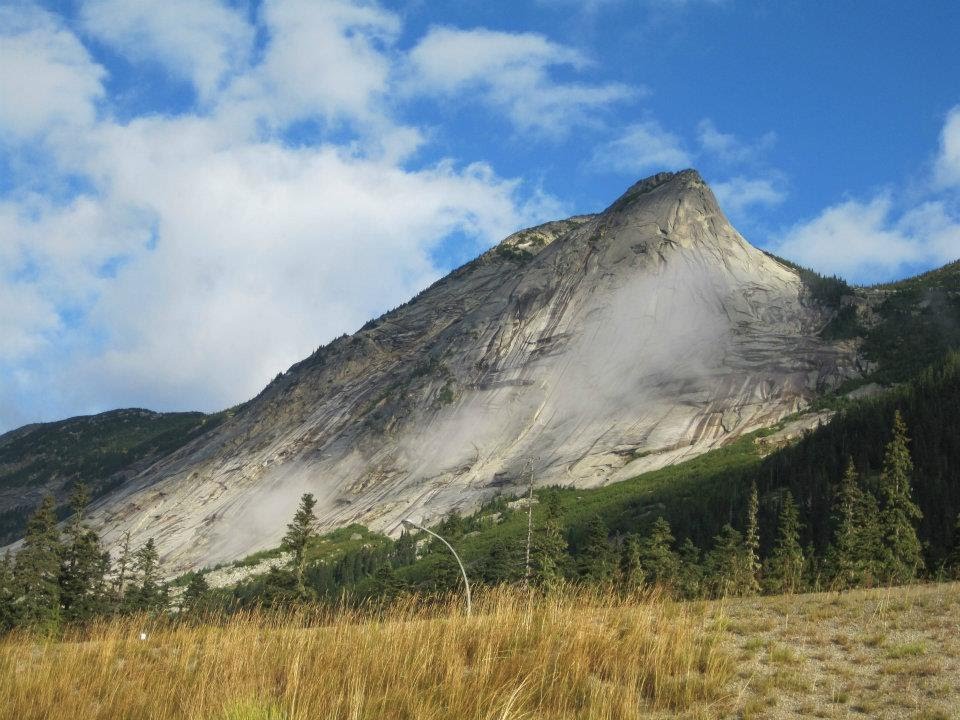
(953, 559)
(630, 576)
(853, 556)
(549, 550)
(122, 575)
(784, 570)
(37, 571)
(404, 550)
(84, 565)
(298, 536)
(500, 565)
(689, 582)
(596, 557)
(901, 559)
(147, 593)
(196, 597)
(6, 593)
(752, 544)
(659, 561)
(727, 568)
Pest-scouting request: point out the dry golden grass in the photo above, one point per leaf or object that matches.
(580, 655)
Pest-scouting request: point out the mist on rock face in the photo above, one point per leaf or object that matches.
(613, 344)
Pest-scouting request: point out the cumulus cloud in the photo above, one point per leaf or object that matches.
(739, 193)
(47, 77)
(512, 72)
(643, 147)
(866, 241)
(201, 253)
(948, 160)
(199, 40)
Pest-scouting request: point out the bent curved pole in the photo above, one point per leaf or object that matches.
(463, 570)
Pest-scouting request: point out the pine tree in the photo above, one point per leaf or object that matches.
(784, 570)
(660, 563)
(902, 556)
(752, 545)
(37, 571)
(404, 550)
(596, 556)
(298, 536)
(196, 597)
(549, 548)
(84, 565)
(630, 575)
(500, 565)
(726, 565)
(121, 577)
(146, 593)
(6, 593)
(855, 552)
(689, 583)
(953, 559)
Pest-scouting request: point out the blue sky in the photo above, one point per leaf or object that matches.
(194, 194)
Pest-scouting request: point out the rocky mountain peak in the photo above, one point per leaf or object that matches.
(594, 348)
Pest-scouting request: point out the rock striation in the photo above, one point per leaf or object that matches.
(593, 348)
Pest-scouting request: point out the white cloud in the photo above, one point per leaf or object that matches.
(948, 160)
(324, 59)
(738, 193)
(867, 242)
(204, 254)
(643, 147)
(511, 72)
(727, 147)
(46, 75)
(199, 40)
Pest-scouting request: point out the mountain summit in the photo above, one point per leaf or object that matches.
(591, 348)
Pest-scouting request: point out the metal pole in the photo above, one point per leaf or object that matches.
(463, 570)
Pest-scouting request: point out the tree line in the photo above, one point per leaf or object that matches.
(65, 575)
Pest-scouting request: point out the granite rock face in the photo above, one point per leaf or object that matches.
(595, 348)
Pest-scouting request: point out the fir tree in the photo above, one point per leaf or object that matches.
(630, 575)
(404, 550)
(953, 559)
(853, 556)
(549, 548)
(660, 563)
(6, 592)
(84, 566)
(901, 559)
(298, 536)
(121, 577)
(196, 597)
(147, 593)
(726, 565)
(500, 564)
(689, 582)
(752, 545)
(784, 570)
(596, 557)
(37, 571)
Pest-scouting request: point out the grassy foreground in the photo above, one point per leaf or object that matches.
(576, 655)
(885, 653)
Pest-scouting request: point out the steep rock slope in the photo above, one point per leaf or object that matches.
(591, 348)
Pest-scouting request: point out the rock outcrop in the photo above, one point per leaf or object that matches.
(593, 348)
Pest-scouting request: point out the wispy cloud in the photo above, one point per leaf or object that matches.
(511, 72)
(643, 147)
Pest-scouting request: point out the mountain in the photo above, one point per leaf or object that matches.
(591, 348)
(103, 451)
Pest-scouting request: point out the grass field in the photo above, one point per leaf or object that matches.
(881, 653)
